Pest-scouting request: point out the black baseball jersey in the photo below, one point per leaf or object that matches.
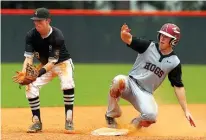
(151, 66)
(52, 48)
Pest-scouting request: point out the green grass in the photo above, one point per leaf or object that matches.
(92, 85)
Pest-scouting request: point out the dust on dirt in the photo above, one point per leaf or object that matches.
(171, 123)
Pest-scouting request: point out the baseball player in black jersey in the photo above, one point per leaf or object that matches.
(47, 44)
(155, 61)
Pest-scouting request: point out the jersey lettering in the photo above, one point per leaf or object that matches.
(147, 66)
(153, 68)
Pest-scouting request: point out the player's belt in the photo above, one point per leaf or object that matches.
(135, 80)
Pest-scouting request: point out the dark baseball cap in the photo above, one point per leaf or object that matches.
(41, 14)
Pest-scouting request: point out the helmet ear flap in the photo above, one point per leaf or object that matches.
(173, 42)
(158, 36)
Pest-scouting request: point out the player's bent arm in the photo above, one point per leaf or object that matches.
(49, 65)
(46, 68)
(139, 45)
(54, 57)
(26, 61)
(53, 54)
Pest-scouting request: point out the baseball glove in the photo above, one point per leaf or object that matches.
(25, 78)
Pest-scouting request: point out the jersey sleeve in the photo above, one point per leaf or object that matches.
(175, 76)
(29, 50)
(55, 50)
(139, 45)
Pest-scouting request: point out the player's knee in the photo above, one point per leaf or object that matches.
(67, 83)
(146, 119)
(31, 91)
(150, 116)
(118, 85)
(31, 95)
(145, 123)
(119, 82)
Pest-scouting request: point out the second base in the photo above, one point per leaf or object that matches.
(109, 132)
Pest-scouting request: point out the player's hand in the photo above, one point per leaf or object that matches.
(189, 118)
(125, 34)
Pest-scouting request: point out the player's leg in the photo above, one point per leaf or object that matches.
(118, 87)
(65, 73)
(143, 102)
(32, 94)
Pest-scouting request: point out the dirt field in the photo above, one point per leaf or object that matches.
(171, 124)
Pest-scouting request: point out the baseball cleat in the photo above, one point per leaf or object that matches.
(110, 122)
(136, 123)
(69, 127)
(36, 126)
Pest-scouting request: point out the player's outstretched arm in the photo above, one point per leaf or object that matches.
(175, 77)
(180, 94)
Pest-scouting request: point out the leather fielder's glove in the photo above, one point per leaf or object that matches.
(25, 78)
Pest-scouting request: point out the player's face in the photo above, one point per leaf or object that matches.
(41, 26)
(164, 41)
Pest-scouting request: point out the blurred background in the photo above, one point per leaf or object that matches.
(99, 35)
(97, 51)
(109, 5)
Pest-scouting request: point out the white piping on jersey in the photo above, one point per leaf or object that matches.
(52, 59)
(28, 54)
(49, 32)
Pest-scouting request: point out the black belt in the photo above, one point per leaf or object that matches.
(135, 80)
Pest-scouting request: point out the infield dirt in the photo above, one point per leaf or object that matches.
(171, 123)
